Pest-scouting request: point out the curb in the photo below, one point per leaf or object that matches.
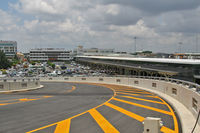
(22, 90)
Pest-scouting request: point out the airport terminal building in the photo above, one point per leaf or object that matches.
(185, 69)
(9, 48)
(49, 54)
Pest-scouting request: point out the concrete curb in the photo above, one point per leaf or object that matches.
(21, 90)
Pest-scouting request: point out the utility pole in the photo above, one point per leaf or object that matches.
(197, 43)
(180, 44)
(135, 38)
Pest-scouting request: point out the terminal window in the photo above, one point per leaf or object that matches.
(24, 84)
(153, 84)
(194, 103)
(100, 79)
(118, 80)
(174, 91)
(136, 82)
(83, 78)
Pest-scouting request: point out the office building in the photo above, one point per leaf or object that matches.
(49, 54)
(92, 51)
(9, 48)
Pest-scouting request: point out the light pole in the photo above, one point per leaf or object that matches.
(197, 43)
(135, 38)
(180, 43)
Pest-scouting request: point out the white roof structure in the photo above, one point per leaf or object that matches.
(155, 60)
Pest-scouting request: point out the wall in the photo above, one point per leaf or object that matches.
(18, 84)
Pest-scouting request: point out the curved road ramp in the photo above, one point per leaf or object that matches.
(87, 108)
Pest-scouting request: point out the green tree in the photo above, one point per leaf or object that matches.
(53, 66)
(4, 62)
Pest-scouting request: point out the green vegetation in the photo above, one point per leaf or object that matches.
(33, 63)
(4, 71)
(147, 52)
(4, 62)
(51, 64)
(67, 62)
(15, 61)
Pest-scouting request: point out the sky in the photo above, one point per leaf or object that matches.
(158, 25)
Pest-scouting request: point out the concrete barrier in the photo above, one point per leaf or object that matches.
(17, 84)
(176, 92)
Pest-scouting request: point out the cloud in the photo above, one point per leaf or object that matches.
(157, 6)
(159, 25)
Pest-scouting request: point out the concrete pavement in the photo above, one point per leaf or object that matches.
(61, 108)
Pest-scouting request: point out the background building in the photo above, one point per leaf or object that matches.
(9, 48)
(92, 51)
(49, 54)
(187, 55)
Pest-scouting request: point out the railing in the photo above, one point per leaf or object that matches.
(17, 79)
(17, 84)
(190, 85)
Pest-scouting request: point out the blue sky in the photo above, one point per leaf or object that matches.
(4, 4)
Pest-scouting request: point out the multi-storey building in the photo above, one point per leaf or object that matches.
(9, 48)
(92, 51)
(49, 54)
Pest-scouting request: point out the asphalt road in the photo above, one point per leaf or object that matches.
(75, 108)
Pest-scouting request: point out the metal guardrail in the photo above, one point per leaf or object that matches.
(16, 79)
(190, 85)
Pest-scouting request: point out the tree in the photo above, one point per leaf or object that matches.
(4, 62)
(53, 66)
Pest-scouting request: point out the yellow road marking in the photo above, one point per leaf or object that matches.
(2, 104)
(9, 100)
(73, 88)
(9, 103)
(23, 100)
(26, 99)
(142, 99)
(77, 114)
(102, 122)
(42, 128)
(136, 117)
(47, 96)
(167, 130)
(131, 90)
(173, 115)
(137, 92)
(130, 114)
(137, 95)
(144, 106)
(63, 126)
(164, 129)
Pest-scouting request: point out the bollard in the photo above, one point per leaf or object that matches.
(152, 125)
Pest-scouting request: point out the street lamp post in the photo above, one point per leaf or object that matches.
(135, 38)
(180, 44)
(196, 43)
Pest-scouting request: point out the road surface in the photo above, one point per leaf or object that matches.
(85, 108)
